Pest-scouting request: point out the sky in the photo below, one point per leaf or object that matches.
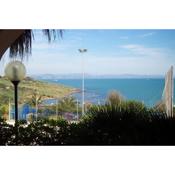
(116, 52)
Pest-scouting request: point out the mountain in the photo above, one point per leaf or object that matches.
(91, 76)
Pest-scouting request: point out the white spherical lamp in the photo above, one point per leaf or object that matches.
(15, 71)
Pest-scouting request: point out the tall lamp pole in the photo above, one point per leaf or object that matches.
(15, 83)
(15, 71)
(82, 51)
(9, 109)
(57, 108)
(77, 110)
(36, 103)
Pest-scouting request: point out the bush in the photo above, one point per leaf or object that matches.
(111, 124)
(6, 132)
(114, 98)
(130, 123)
(160, 106)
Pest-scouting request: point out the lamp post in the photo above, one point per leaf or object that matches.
(77, 110)
(15, 71)
(36, 104)
(56, 108)
(82, 51)
(9, 109)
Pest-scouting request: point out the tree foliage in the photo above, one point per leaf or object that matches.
(114, 98)
(130, 123)
(36, 98)
(67, 104)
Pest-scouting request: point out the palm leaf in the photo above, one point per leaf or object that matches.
(22, 46)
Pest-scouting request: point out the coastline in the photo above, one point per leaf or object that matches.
(28, 87)
(74, 91)
(149, 91)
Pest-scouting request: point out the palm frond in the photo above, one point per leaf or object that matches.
(22, 46)
(52, 34)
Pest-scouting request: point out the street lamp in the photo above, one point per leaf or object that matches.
(56, 108)
(15, 71)
(82, 51)
(77, 110)
(36, 104)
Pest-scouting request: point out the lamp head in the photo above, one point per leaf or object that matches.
(15, 71)
(82, 50)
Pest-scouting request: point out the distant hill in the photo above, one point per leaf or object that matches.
(89, 76)
(28, 86)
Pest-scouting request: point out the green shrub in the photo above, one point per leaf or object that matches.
(130, 123)
(114, 98)
(160, 106)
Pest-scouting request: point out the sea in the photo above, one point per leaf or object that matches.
(146, 90)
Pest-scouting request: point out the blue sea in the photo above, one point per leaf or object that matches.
(148, 91)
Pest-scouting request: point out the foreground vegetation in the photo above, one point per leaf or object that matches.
(117, 122)
(127, 123)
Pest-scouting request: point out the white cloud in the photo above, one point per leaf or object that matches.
(146, 34)
(144, 51)
(124, 37)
